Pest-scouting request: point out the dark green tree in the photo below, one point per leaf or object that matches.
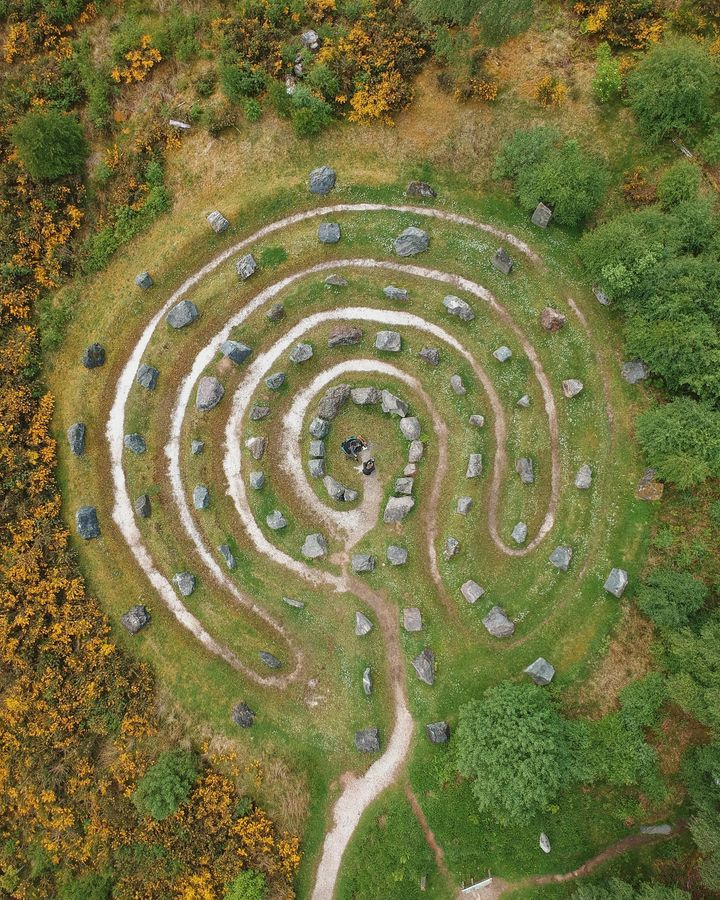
(694, 664)
(50, 144)
(670, 598)
(166, 784)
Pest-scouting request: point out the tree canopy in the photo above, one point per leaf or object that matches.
(166, 784)
(50, 144)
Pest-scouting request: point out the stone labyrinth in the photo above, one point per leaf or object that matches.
(478, 396)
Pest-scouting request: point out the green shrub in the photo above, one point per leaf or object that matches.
(309, 114)
(642, 700)
(670, 598)
(615, 889)
(671, 90)
(498, 19)
(177, 38)
(62, 12)
(249, 885)
(50, 144)
(205, 83)
(607, 82)
(87, 887)
(253, 110)
(166, 784)
(710, 148)
(240, 80)
(323, 81)
(679, 183)
(219, 117)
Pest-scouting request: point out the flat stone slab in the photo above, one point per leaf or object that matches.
(301, 353)
(497, 623)
(656, 829)
(410, 428)
(275, 381)
(600, 295)
(182, 314)
(540, 671)
(328, 233)
(201, 497)
(395, 293)
(142, 506)
(424, 665)
(412, 619)
(388, 341)
(362, 562)
(502, 354)
(135, 619)
(93, 356)
(135, 443)
(227, 555)
(335, 280)
(147, 376)
(218, 222)
(616, 582)
(367, 682)
(185, 583)
(437, 732)
(242, 715)
(502, 261)
(319, 428)
(397, 509)
(411, 242)
(524, 401)
(314, 546)
(235, 351)
(76, 438)
(544, 842)
(257, 413)
(472, 591)
(344, 336)
(397, 556)
(270, 660)
(520, 533)
(256, 446)
(648, 488)
(635, 370)
(474, 466)
(209, 393)
(464, 504)
(561, 557)
(246, 266)
(368, 740)
(459, 308)
(393, 405)
(451, 548)
(571, 387)
(363, 625)
(257, 480)
(338, 491)
(458, 388)
(583, 479)
(524, 468)
(291, 601)
(317, 449)
(276, 520)
(366, 396)
(321, 180)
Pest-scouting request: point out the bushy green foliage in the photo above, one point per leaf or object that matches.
(614, 751)
(616, 889)
(87, 887)
(710, 148)
(546, 167)
(498, 19)
(512, 744)
(700, 769)
(641, 701)
(178, 35)
(239, 80)
(252, 109)
(670, 598)
(607, 82)
(682, 440)
(309, 113)
(166, 784)
(694, 664)
(50, 144)
(96, 84)
(679, 183)
(671, 90)
(249, 885)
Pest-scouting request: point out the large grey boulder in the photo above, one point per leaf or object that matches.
(502, 354)
(393, 405)
(404, 485)
(388, 341)
(275, 381)
(257, 480)
(540, 671)
(571, 387)
(412, 619)
(310, 41)
(228, 556)
(367, 740)
(474, 466)
(142, 506)
(270, 660)
(86, 523)
(635, 370)
(583, 479)
(366, 396)
(182, 314)
(541, 216)
(144, 280)
(276, 313)
(201, 497)
(561, 557)
(497, 623)
(185, 583)
(218, 222)
(135, 619)
(363, 625)
(458, 388)
(551, 319)
(397, 509)
(301, 353)
(256, 446)
(259, 412)
(411, 241)
(332, 402)
(322, 180)
(317, 449)
(524, 468)
(93, 356)
(464, 504)
(520, 533)
(431, 355)
(472, 591)
(242, 715)
(276, 520)
(314, 546)
(76, 438)
(344, 336)
(415, 451)
(437, 732)
(616, 582)
(457, 307)
(246, 266)
(362, 562)
(235, 351)
(329, 233)
(477, 420)
(395, 293)
(397, 556)
(338, 491)
(316, 467)
(424, 665)
(410, 427)
(420, 189)
(135, 443)
(502, 261)
(451, 548)
(209, 393)
(319, 428)
(147, 377)
(367, 682)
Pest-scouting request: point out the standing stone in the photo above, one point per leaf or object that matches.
(464, 504)
(544, 842)
(276, 313)
(415, 451)
(317, 449)
(333, 401)
(424, 665)
(366, 396)
(314, 546)
(472, 591)
(502, 261)
(338, 491)
(362, 562)
(571, 387)
(201, 497)
(397, 509)
(147, 377)
(524, 401)
(276, 520)
(93, 356)
(367, 682)
(135, 619)
(242, 715)
(185, 583)
(316, 467)
(540, 671)
(474, 466)
(76, 438)
(393, 405)
(363, 625)
(227, 554)
(431, 355)
(583, 479)
(561, 557)
(542, 215)
(397, 556)
(520, 533)
(218, 222)
(86, 523)
(182, 314)
(319, 428)
(635, 370)
(322, 180)
(209, 393)
(246, 266)
(257, 480)
(497, 623)
(256, 446)
(410, 427)
(344, 336)
(451, 548)
(551, 319)
(235, 351)
(502, 354)
(335, 280)
(403, 486)
(456, 383)
(437, 732)
(395, 293)
(388, 341)
(275, 381)
(197, 447)
(411, 242)
(135, 443)
(259, 412)
(412, 619)
(368, 740)
(301, 353)
(524, 468)
(616, 582)
(270, 660)
(600, 295)
(144, 280)
(420, 189)
(142, 506)
(310, 41)
(477, 420)
(329, 233)
(457, 307)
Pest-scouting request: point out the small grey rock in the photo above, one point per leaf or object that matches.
(545, 843)
(344, 336)
(259, 412)
(411, 242)
(316, 468)
(296, 604)
(144, 280)
(135, 619)
(520, 533)
(561, 557)
(336, 280)
(474, 466)
(502, 261)
(271, 661)
(420, 189)
(583, 479)
(185, 583)
(182, 314)
(600, 295)
(209, 393)
(502, 354)
(551, 319)
(322, 180)
(147, 377)
(86, 523)
(388, 341)
(437, 732)
(497, 623)
(246, 266)
(76, 438)
(142, 506)
(276, 520)
(616, 582)
(541, 216)
(317, 449)
(464, 504)
(201, 497)
(451, 548)
(635, 370)
(395, 293)
(424, 665)
(197, 447)
(472, 591)
(242, 715)
(415, 451)
(363, 625)
(94, 356)
(457, 307)
(275, 381)
(276, 312)
(397, 556)
(301, 353)
(227, 554)
(362, 562)
(477, 420)
(431, 355)
(397, 509)
(319, 428)
(235, 351)
(524, 468)
(314, 546)
(367, 740)
(367, 682)
(256, 446)
(218, 222)
(135, 443)
(524, 401)
(257, 480)
(393, 405)
(571, 387)
(456, 383)
(412, 619)
(410, 428)
(329, 233)
(540, 671)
